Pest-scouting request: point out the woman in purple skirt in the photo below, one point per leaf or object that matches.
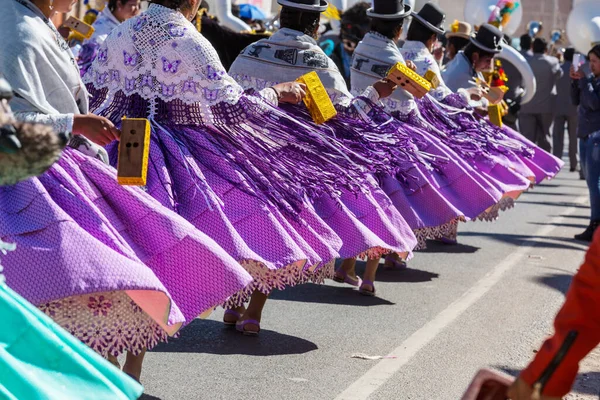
(108, 263)
(429, 199)
(232, 163)
(378, 52)
(454, 112)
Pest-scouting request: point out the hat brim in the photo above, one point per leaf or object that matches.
(401, 15)
(435, 29)
(458, 34)
(304, 7)
(485, 48)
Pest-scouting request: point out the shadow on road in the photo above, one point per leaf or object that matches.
(554, 204)
(212, 337)
(325, 294)
(408, 275)
(586, 217)
(556, 185)
(547, 194)
(591, 378)
(563, 225)
(560, 282)
(434, 246)
(146, 396)
(550, 242)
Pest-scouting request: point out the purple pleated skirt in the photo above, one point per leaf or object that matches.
(108, 262)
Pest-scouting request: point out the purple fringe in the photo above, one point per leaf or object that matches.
(289, 162)
(379, 142)
(457, 113)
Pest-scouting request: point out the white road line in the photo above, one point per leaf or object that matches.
(386, 368)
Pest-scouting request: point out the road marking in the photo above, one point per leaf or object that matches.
(381, 372)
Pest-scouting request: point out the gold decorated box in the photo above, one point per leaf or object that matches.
(317, 100)
(409, 80)
(134, 150)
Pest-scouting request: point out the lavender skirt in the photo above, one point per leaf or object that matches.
(84, 239)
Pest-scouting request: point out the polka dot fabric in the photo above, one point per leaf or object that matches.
(79, 232)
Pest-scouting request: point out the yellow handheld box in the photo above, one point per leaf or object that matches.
(317, 100)
(409, 80)
(134, 150)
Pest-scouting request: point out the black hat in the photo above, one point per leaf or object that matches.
(389, 9)
(488, 38)
(432, 17)
(305, 5)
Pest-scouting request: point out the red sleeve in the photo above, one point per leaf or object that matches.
(581, 313)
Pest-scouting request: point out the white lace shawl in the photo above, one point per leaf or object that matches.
(284, 57)
(419, 54)
(372, 59)
(160, 55)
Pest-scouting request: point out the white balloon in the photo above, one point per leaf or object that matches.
(583, 25)
(478, 12)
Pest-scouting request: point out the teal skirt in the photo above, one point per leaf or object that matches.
(39, 360)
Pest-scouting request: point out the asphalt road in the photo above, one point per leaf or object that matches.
(488, 301)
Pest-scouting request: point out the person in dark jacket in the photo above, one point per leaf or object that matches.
(565, 112)
(585, 92)
(535, 117)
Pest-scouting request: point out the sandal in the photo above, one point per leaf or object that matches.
(234, 314)
(241, 327)
(366, 292)
(345, 278)
(447, 240)
(394, 263)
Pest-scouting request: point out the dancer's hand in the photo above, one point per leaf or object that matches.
(520, 390)
(475, 93)
(384, 87)
(576, 75)
(98, 129)
(290, 92)
(411, 65)
(482, 111)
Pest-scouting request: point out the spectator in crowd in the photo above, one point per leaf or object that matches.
(525, 44)
(585, 91)
(565, 113)
(536, 117)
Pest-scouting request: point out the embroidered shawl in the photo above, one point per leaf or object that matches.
(284, 57)
(373, 58)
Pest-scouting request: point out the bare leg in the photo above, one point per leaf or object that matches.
(113, 360)
(369, 275)
(133, 364)
(254, 310)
